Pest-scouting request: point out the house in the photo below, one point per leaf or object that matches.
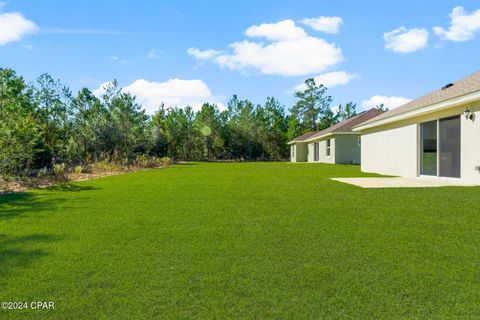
(436, 135)
(336, 144)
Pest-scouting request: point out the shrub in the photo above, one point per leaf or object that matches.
(102, 166)
(166, 161)
(78, 169)
(42, 173)
(3, 185)
(59, 172)
(145, 161)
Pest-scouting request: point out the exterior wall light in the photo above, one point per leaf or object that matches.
(468, 114)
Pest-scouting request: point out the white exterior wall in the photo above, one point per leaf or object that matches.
(323, 151)
(470, 148)
(344, 149)
(298, 152)
(322, 144)
(347, 149)
(310, 153)
(292, 153)
(391, 152)
(394, 149)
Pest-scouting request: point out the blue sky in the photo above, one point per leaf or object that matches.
(368, 52)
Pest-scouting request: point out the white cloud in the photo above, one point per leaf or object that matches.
(100, 91)
(173, 92)
(206, 54)
(288, 58)
(289, 51)
(463, 25)
(405, 40)
(153, 54)
(13, 26)
(389, 102)
(282, 30)
(330, 79)
(324, 24)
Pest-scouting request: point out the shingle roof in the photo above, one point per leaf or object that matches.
(460, 88)
(303, 137)
(344, 126)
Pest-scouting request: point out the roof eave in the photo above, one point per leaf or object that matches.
(330, 134)
(421, 111)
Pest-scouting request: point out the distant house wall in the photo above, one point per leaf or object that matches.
(344, 149)
(347, 149)
(310, 153)
(322, 144)
(298, 152)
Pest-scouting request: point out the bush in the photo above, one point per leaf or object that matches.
(145, 161)
(166, 161)
(78, 169)
(103, 166)
(3, 185)
(59, 172)
(42, 173)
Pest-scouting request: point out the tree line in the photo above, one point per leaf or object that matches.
(44, 123)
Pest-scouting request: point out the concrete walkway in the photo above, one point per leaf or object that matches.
(420, 182)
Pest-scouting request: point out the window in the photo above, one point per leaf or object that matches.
(293, 151)
(316, 152)
(328, 148)
(359, 140)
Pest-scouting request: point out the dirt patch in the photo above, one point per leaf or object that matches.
(19, 185)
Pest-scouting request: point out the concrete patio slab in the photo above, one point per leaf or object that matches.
(399, 182)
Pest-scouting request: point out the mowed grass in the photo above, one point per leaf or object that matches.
(241, 241)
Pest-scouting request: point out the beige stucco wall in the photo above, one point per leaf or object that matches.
(322, 144)
(393, 149)
(470, 148)
(390, 151)
(300, 154)
(344, 149)
(347, 149)
(310, 152)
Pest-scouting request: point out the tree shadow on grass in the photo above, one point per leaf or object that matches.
(70, 187)
(15, 205)
(19, 251)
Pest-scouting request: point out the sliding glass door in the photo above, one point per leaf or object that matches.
(450, 147)
(428, 155)
(440, 147)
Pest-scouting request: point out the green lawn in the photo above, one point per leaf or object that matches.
(243, 241)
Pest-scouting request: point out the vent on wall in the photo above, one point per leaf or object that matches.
(448, 85)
